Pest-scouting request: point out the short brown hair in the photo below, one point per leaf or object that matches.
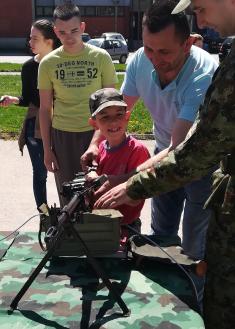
(158, 16)
(66, 12)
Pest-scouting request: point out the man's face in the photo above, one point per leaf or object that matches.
(216, 14)
(69, 32)
(165, 50)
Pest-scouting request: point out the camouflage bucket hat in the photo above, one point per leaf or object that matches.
(103, 98)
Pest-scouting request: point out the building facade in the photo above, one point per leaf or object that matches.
(123, 16)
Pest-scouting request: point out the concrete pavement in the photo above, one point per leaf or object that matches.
(16, 194)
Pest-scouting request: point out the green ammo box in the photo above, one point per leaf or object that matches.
(100, 230)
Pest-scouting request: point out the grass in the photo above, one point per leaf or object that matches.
(10, 67)
(11, 117)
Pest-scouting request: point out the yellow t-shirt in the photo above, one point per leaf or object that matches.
(73, 78)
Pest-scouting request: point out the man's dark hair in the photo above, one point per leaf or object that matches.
(158, 16)
(66, 12)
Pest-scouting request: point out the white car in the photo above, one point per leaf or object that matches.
(117, 49)
(113, 35)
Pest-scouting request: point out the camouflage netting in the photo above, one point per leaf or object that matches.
(68, 294)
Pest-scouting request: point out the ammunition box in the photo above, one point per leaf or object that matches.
(99, 229)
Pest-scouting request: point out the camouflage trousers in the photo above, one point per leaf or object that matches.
(219, 296)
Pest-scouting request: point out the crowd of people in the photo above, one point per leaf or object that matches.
(77, 120)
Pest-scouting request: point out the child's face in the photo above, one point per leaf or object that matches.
(112, 122)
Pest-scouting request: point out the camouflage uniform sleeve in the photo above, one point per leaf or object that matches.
(210, 139)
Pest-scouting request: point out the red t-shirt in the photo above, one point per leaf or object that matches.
(122, 160)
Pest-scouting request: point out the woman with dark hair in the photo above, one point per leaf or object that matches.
(42, 41)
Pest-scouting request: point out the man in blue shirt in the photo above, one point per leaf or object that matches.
(171, 76)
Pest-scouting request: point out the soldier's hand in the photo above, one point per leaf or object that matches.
(115, 197)
(111, 181)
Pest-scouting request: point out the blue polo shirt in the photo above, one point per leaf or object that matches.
(178, 100)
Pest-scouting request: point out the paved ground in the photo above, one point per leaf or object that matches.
(16, 197)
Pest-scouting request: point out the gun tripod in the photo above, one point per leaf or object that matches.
(57, 234)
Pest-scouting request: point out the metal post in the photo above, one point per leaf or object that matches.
(116, 3)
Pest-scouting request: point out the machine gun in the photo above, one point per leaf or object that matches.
(99, 228)
(66, 228)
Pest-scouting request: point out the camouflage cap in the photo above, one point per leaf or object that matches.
(103, 98)
(182, 5)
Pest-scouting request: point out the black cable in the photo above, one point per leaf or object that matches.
(172, 259)
(19, 227)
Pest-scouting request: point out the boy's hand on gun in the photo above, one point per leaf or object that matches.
(90, 176)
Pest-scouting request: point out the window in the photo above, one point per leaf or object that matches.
(107, 44)
(121, 11)
(44, 11)
(39, 11)
(116, 44)
(105, 11)
(48, 11)
(90, 11)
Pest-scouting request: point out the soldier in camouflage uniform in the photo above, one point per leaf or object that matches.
(211, 140)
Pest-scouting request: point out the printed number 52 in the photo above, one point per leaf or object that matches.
(92, 73)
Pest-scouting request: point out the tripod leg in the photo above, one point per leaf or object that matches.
(101, 274)
(35, 273)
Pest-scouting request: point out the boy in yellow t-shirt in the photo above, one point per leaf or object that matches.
(67, 77)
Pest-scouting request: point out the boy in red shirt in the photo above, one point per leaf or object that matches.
(119, 154)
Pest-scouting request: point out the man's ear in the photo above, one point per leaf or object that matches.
(56, 31)
(92, 123)
(82, 26)
(128, 114)
(188, 44)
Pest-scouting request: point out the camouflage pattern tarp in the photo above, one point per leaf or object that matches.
(68, 294)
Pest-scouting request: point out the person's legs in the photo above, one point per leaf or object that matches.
(196, 218)
(35, 149)
(68, 148)
(166, 213)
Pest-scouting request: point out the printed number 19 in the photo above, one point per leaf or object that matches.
(60, 74)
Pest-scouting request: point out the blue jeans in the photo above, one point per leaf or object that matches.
(35, 148)
(167, 210)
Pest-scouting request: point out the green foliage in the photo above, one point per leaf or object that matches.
(140, 121)
(120, 67)
(11, 117)
(10, 67)
(10, 85)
